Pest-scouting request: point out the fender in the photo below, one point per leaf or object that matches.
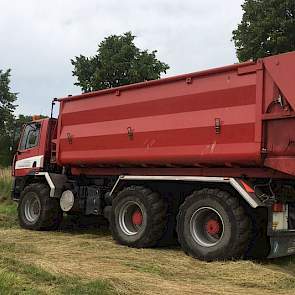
(244, 191)
(55, 181)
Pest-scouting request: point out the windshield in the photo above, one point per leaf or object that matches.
(30, 136)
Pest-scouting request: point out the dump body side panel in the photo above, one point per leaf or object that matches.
(200, 119)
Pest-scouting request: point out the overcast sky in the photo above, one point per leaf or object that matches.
(38, 38)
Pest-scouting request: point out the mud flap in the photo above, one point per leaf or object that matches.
(282, 244)
(291, 216)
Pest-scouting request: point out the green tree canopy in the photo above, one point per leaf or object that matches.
(10, 138)
(117, 62)
(267, 28)
(10, 125)
(7, 107)
(7, 99)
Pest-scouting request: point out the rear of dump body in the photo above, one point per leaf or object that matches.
(237, 116)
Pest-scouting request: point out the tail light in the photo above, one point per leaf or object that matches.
(278, 207)
(279, 216)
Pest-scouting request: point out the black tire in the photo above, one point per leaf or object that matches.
(169, 237)
(232, 234)
(154, 217)
(47, 215)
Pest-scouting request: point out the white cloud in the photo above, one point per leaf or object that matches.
(38, 38)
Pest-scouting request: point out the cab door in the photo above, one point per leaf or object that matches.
(29, 158)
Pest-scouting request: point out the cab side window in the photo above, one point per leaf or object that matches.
(30, 137)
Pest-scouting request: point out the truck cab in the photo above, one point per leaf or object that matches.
(34, 151)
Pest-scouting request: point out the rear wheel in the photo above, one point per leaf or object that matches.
(37, 210)
(138, 217)
(211, 225)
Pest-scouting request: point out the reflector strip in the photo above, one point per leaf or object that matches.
(248, 188)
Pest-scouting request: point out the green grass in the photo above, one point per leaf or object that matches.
(8, 215)
(5, 184)
(7, 207)
(17, 277)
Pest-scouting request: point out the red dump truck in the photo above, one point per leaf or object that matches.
(207, 157)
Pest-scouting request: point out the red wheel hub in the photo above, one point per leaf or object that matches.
(212, 227)
(137, 218)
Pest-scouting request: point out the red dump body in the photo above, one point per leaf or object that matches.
(236, 116)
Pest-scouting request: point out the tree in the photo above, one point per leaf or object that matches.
(7, 98)
(267, 28)
(15, 129)
(7, 107)
(117, 62)
(10, 139)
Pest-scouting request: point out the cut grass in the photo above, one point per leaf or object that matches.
(147, 268)
(74, 261)
(80, 259)
(17, 277)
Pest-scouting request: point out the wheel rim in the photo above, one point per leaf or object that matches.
(206, 227)
(32, 208)
(131, 218)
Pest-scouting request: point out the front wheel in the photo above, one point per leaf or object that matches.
(212, 225)
(37, 210)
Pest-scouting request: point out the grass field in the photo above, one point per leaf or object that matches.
(5, 183)
(77, 260)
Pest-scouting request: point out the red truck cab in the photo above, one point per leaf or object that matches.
(34, 148)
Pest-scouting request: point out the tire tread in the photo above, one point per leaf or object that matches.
(51, 214)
